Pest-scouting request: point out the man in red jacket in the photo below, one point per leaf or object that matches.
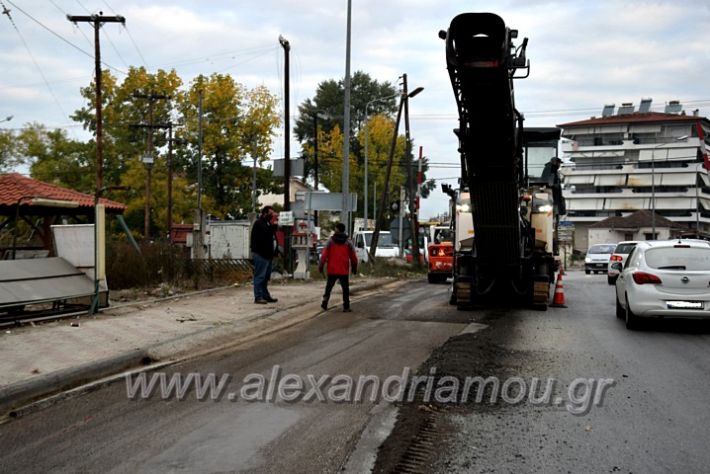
(339, 254)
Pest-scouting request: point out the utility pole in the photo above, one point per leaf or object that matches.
(287, 124)
(287, 149)
(388, 171)
(315, 161)
(97, 20)
(346, 129)
(410, 177)
(151, 98)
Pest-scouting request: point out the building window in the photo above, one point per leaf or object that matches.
(629, 236)
(650, 236)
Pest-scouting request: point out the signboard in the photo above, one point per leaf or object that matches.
(325, 201)
(296, 167)
(286, 218)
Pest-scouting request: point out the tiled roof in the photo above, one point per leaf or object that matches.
(638, 219)
(636, 117)
(14, 186)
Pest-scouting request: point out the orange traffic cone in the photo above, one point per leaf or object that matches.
(559, 299)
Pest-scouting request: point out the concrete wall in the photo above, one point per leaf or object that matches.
(606, 236)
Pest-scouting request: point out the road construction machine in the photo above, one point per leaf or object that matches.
(515, 213)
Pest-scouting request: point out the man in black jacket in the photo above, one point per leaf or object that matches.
(263, 248)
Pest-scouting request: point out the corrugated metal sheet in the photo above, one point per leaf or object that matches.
(41, 280)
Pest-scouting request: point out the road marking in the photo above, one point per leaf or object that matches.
(472, 328)
(382, 419)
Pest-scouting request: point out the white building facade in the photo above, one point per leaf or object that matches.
(628, 160)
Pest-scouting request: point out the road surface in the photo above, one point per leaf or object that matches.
(653, 417)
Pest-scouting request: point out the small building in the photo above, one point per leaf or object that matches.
(41, 205)
(636, 226)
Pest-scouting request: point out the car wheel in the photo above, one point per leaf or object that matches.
(610, 280)
(632, 321)
(620, 311)
(587, 271)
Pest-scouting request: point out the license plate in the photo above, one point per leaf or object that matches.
(685, 304)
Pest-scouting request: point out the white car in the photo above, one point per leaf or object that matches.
(622, 251)
(597, 258)
(664, 279)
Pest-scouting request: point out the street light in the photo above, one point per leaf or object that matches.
(653, 182)
(367, 140)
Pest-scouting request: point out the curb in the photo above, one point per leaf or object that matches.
(25, 392)
(20, 393)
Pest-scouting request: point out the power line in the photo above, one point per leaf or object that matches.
(29, 52)
(135, 45)
(61, 37)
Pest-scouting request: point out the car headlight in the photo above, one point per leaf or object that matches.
(587, 259)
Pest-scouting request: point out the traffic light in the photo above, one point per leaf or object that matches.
(394, 206)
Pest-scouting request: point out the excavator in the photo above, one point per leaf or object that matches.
(512, 253)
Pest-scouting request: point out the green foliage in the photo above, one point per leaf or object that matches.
(328, 102)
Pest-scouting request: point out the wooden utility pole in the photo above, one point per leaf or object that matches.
(385, 193)
(411, 188)
(97, 20)
(151, 97)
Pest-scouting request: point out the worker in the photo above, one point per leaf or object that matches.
(551, 176)
(339, 255)
(263, 248)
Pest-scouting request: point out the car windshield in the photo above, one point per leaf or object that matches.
(602, 249)
(385, 240)
(624, 248)
(679, 258)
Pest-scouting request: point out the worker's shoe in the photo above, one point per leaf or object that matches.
(347, 310)
(324, 305)
(260, 301)
(269, 299)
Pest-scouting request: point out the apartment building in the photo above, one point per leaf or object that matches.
(632, 159)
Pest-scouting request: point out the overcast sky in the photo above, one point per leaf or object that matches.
(584, 54)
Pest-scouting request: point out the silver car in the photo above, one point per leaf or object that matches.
(597, 258)
(664, 279)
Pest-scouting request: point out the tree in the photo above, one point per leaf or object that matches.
(328, 103)
(8, 155)
(237, 123)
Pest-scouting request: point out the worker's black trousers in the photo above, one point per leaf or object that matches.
(344, 284)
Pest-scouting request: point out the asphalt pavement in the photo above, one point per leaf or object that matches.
(652, 418)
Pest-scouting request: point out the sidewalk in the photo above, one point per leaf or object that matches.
(44, 359)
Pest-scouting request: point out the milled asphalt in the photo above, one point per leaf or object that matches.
(45, 359)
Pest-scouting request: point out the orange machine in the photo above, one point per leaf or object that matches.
(441, 262)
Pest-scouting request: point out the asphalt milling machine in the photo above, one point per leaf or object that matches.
(511, 254)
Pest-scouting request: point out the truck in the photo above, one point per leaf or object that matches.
(385, 247)
(511, 252)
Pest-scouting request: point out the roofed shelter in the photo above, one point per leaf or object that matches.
(42, 204)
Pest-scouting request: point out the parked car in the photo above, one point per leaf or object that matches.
(622, 251)
(664, 279)
(597, 259)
